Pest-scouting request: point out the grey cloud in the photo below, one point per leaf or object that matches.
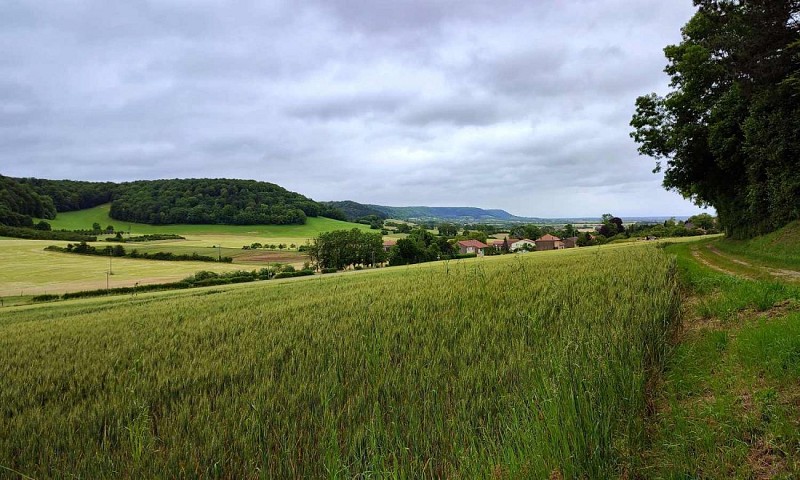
(510, 104)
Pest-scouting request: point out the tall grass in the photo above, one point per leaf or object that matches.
(524, 366)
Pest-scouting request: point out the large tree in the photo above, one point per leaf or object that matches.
(727, 134)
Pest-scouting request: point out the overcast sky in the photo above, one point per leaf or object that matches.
(516, 104)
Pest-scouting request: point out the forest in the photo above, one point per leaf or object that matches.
(159, 202)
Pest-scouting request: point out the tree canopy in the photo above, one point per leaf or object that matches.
(342, 248)
(20, 202)
(726, 135)
(208, 201)
(193, 201)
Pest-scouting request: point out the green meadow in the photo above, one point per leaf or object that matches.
(520, 366)
(234, 235)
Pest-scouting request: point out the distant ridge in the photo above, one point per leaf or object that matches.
(355, 210)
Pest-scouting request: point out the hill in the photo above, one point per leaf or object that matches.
(424, 214)
(158, 202)
(212, 201)
(354, 211)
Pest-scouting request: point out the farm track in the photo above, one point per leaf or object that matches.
(728, 403)
(711, 256)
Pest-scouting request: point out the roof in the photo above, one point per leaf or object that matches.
(472, 243)
(520, 240)
(548, 238)
(389, 242)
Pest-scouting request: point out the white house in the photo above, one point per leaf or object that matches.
(521, 244)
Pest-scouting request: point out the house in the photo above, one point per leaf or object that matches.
(570, 242)
(549, 242)
(471, 246)
(388, 244)
(521, 244)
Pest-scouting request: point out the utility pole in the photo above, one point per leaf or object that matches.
(107, 281)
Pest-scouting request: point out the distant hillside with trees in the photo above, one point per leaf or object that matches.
(71, 195)
(214, 201)
(354, 211)
(157, 202)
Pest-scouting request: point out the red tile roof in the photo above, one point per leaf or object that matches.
(548, 238)
(472, 243)
(389, 242)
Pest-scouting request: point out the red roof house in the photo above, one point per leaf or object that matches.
(549, 242)
(471, 246)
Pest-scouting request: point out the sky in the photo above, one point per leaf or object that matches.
(522, 105)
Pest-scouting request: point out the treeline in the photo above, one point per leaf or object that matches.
(199, 279)
(145, 238)
(421, 246)
(19, 203)
(70, 195)
(343, 248)
(158, 202)
(119, 251)
(726, 134)
(35, 234)
(213, 201)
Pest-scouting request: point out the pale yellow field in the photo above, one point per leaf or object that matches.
(26, 269)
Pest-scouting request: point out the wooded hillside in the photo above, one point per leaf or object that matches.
(209, 201)
(19, 202)
(186, 201)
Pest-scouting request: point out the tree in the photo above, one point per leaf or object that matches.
(96, 227)
(611, 226)
(702, 220)
(569, 230)
(342, 248)
(447, 229)
(42, 225)
(725, 136)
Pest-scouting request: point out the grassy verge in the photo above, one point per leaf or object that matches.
(780, 249)
(729, 403)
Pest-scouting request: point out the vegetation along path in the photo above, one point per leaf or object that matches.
(728, 404)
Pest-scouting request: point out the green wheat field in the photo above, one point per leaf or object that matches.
(525, 366)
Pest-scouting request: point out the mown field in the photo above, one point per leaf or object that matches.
(528, 366)
(27, 269)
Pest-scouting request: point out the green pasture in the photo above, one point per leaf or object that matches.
(83, 220)
(518, 366)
